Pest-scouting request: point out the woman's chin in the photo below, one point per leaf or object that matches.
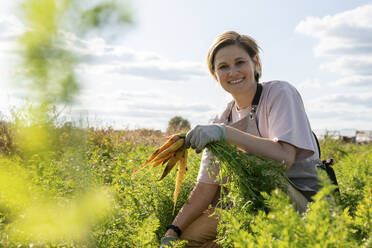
(238, 89)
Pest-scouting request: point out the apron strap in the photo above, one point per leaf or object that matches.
(317, 144)
(257, 96)
(256, 100)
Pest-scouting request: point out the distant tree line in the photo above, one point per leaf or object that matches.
(178, 124)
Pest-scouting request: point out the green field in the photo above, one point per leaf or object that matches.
(75, 188)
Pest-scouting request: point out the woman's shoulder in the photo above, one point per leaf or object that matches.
(278, 85)
(273, 88)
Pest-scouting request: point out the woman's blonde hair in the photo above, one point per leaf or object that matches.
(233, 38)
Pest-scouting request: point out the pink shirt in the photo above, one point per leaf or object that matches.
(281, 116)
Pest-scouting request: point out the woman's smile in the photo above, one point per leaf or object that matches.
(234, 82)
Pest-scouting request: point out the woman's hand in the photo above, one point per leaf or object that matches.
(166, 241)
(201, 135)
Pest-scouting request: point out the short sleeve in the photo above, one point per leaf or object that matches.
(209, 169)
(209, 166)
(287, 120)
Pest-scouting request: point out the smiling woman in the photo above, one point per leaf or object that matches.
(267, 120)
(235, 72)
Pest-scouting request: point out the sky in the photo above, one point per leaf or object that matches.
(142, 75)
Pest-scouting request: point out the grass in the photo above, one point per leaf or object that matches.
(79, 191)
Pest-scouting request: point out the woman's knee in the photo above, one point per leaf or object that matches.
(202, 230)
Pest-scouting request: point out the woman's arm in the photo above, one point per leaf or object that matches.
(200, 198)
(262, 147)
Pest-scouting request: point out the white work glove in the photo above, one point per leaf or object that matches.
(166, 241)
(201, 135)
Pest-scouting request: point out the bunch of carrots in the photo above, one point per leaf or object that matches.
(170, 153)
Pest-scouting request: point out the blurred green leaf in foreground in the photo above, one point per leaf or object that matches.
(34, 209)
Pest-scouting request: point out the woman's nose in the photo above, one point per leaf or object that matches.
(233, 70)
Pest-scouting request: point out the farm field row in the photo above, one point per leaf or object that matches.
(78, 190)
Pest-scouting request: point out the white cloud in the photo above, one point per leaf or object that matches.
(353, 81)
(345, 43)
(96, 49)
(342, 109)
(160, 71)
(144, 116)
(363, 100)
(113, 58)
(123, 60)
(348, 26)
(170, 107)
(311, 83)
(10, 27)
(151, 107)
(344, 38)
(139, 101)
(350, 65)
(132, 95)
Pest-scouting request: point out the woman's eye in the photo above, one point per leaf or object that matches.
(222, 67)
(240, 62)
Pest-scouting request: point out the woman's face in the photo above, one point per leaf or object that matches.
(234, 70)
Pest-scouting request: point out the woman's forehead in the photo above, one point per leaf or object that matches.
(230, 53)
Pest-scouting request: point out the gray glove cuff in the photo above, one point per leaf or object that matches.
(166, 241)
(223, 130)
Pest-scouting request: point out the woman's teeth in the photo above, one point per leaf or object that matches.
(236, 81)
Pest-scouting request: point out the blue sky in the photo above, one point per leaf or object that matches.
(155, 69)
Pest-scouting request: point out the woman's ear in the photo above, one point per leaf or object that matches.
(255, 59)
(256, 63)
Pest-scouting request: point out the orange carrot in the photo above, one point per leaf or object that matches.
(161, 160)
(172, 148)
(171, 163)
(180, 174)
(167, 144)
(171, 140)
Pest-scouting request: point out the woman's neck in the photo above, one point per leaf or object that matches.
(245, 99)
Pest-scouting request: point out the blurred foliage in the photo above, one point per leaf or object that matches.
(106, 13)
(48, 193)
(48, 67)
(38, 206)
(6, 145)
